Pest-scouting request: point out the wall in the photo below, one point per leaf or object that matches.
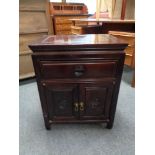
(130, 9)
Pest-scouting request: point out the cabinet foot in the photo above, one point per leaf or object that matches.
(48, 126)
(109, 125)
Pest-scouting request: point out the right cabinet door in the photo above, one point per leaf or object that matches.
(95, 100)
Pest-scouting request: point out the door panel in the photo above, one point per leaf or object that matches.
(96, 100)
(60, 100)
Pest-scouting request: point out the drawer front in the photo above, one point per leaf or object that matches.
(76, 30)
(79, 23)
(49, 69)
(63, 20)
(63, 27)
(66, 20)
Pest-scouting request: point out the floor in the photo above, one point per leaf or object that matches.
(76, 139)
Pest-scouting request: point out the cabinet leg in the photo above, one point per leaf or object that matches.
(47, 126)
(133, 81)
(109, 125)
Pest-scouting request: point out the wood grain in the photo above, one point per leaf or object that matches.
(32, 21)
(25, 40)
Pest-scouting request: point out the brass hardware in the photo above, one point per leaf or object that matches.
(43, 84)
(81, 106)
(76, 106)
(50, 121)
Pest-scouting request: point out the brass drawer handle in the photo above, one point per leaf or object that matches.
(81, 106)
(76, 106)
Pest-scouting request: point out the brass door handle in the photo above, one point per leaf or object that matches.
(81, 106)
(76, 106)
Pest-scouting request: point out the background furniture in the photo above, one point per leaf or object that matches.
(34, 21)
(117, 9)
(78, 77)
(103, 26)
(130, 50)
(62, 12)
(86, 29)
(123, 29)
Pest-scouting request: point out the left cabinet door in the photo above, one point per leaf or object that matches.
(62, 101)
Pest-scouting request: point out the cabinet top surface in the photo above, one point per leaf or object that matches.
(88, 40)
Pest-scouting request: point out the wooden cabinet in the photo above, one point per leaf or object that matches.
(62, 23)
(61, 13)
(78, 77)
(129, 37)
(34, 21)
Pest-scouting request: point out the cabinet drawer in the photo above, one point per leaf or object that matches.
(63, 27)
(79, 23)
(49, 69)
(66, 20)
(76, 30)
(63, 20)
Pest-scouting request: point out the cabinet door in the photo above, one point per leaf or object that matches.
(95, 100)
(61, 100)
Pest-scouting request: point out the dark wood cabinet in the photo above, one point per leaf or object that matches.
(78, 77)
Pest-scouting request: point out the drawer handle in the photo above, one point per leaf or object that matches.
(79, 71)
(76, 106)
(81, 106)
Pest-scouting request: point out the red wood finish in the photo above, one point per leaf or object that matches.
(96, 69)
(78, 77)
